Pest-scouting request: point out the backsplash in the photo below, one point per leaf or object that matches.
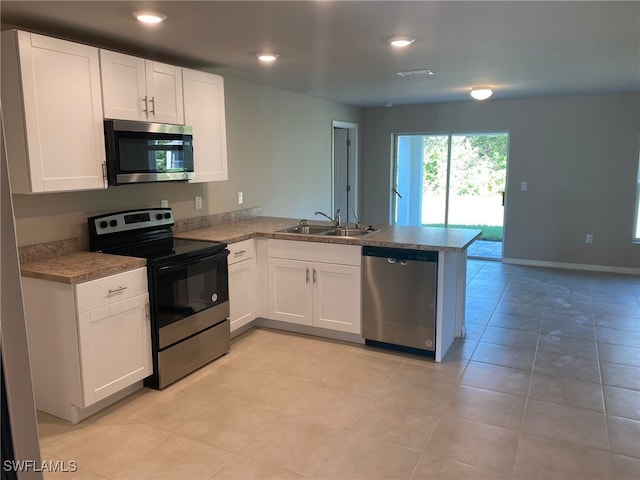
(207, 221)
(41, 251)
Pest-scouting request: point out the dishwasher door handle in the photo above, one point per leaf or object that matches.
(395, 260)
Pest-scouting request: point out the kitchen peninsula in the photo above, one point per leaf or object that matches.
(450, 244)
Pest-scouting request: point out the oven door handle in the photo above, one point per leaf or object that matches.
(177, 266)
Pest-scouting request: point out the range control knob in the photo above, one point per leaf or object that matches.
(158, 216)
(113, 223)
(103, 224)
(167, 215)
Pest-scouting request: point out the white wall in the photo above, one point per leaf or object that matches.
(279, 150)
(579, 155)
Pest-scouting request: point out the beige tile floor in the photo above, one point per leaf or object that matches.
(546, 385)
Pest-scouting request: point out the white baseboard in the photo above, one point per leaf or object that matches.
(308, 330)
(78, 414)
(572, 266)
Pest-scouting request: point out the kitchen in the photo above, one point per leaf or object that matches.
(251, 133)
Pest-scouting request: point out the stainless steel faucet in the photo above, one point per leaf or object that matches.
(335, 220)
(355, 217)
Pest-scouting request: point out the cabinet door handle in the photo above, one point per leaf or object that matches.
(145, 110)
(153, 105)
(119, 289)
(307, 275)
(315, 275)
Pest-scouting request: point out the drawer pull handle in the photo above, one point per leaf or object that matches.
(119, 289)
(240, 252)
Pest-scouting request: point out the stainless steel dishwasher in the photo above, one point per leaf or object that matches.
(399, 298)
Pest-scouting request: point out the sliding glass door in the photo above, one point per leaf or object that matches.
(455, 180)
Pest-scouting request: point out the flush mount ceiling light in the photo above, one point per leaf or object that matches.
(424, 72)
(150, 18)
(401, 42)
(481, 93)
(267, 57)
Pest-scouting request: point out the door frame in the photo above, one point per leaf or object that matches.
(352, 166)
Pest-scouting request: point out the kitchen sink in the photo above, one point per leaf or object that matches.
(348, 232)
(327, 230)
(306, 229)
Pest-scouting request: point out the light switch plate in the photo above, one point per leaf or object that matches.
(524, 186)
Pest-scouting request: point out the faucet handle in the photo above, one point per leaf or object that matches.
(337, 218)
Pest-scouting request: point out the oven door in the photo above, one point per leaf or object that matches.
(189, 297)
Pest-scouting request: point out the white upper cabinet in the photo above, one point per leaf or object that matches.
(137, 89)
(52, 113)
(204, 110)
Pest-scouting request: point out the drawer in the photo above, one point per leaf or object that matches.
(316, 252)
(241, 251)
(111, 289)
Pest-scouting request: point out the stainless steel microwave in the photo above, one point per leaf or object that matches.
(142, 152)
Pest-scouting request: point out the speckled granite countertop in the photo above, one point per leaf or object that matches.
(80, 267)
(419, 238)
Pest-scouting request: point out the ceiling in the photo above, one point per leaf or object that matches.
(338, 50)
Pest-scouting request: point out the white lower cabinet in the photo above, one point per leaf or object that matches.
(114, 347)
(88, 341)
(243, 284)
(312, 288)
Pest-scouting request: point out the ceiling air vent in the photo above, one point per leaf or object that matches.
(416, 73)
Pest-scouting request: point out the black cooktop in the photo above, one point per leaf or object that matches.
(184, 250)
(147, 234)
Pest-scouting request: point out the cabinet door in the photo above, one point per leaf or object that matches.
(290, 292)
(243, 293)
(115, 347)
(123, 86)
(336, 297)
(204, 111)
(58, 83)
(164, 93)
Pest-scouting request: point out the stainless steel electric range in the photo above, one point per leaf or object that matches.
(188, 288)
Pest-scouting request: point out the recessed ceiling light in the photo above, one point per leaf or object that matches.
(425, 72)
(267, 57)
(401, 42)
(481, 93)
(150, 17)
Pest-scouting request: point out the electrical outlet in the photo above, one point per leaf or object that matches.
(198, 202)
(240, 199)
(164, 203)
(589, 238)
